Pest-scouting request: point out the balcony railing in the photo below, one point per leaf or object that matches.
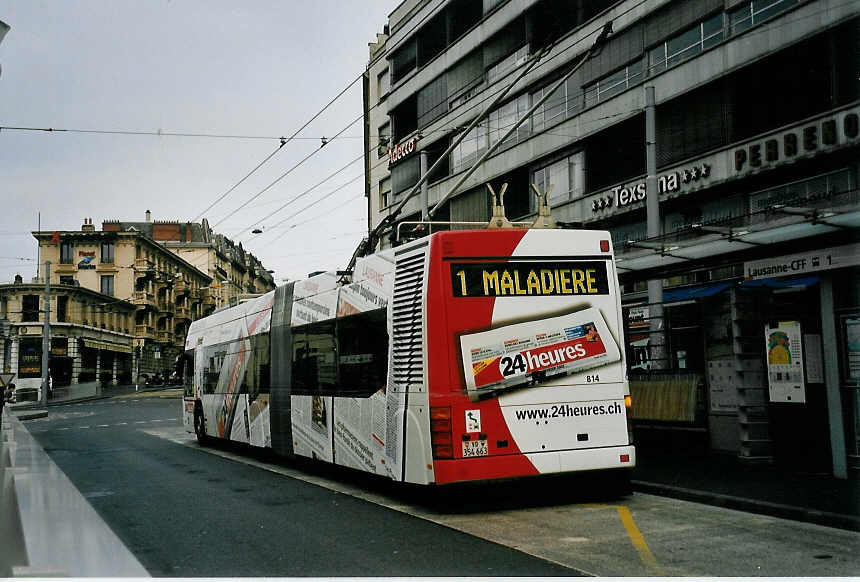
(144, 331)
(142, 265)
(143, 298)
(162, 335)
(166, 306)
(181, 287)
(182, 312)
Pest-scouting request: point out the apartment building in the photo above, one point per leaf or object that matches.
(128, 266)
(757, 137)
(91, 335)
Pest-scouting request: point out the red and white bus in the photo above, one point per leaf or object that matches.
(465, 355)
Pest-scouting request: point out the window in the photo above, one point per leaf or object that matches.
(384, 192)
(467, 151)
(30, 357)
(613, 84)
(107, 285)
(62, 307)
(107, 252)
(362, 353)
(557, 175)
(553, 107)
(314, 366)
(30, 308)
(384, 142)
(67, 253)
(751, 13)
(257, 370)
(505, 117)
(67, 280)
(686, 44)
(507, 64)
(383, 82)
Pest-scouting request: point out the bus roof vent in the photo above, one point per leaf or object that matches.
(407, 314)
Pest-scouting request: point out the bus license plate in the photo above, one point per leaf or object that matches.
(475, 449)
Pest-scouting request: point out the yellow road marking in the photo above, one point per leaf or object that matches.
(636, 538)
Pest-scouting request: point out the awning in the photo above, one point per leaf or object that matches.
(111, 347)
(694, 292)
(782, 283)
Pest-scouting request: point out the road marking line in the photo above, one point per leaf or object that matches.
(121, 423)
(638, 540)
(635, 536)
(139, 422)
(101, 425)
(83, 427)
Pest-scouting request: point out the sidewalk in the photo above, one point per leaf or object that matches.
(724, 480)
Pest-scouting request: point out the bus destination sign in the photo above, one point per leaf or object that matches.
(529, 279)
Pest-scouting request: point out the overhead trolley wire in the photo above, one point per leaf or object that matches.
(283, 141)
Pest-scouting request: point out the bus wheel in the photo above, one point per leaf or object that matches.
(200, 427)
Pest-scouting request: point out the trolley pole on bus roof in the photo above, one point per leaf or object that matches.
(657, 332)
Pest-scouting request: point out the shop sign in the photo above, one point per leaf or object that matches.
(803, 263)
(87, 262)
(402, 150)
(785, 362)
(622, 196)
(803, 140)
(639, 317)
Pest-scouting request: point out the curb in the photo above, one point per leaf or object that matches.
(29, 414)
(793, 512)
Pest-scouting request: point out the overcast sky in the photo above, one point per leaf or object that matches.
(251, 68)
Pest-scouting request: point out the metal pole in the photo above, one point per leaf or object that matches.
(46, 334)
(424, 214)
(657, 335)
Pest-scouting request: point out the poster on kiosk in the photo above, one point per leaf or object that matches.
(785, 362)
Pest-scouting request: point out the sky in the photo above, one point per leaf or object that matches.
(257, 70)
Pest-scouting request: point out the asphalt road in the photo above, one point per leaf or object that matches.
(184, 512)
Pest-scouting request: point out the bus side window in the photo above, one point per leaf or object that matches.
(314, 359)
(257, 369)
(362, 353)
(187, 371)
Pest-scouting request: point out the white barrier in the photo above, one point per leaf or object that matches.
(57, 532)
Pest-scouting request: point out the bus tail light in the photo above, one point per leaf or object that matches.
(628, 404)
(604, 246)
(441, 432)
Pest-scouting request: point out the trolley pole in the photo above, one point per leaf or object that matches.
(657, 332)
(425, 215)
(46, 335)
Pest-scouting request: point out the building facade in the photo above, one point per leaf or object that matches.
(757, 142)
(129, 266)
(91, 335)
(236, 273)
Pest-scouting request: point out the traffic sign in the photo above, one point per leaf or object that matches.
(6, 379)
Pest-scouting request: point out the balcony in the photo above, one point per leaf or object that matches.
(209, 299)
(182, 312)
(180, 287)
(144, 331)
(143, 299)
(142, 265)
(166, 306)
(163, 335)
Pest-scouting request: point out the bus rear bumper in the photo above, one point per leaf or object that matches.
(623, 457)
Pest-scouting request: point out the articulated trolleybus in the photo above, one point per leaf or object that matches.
(465, 355)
